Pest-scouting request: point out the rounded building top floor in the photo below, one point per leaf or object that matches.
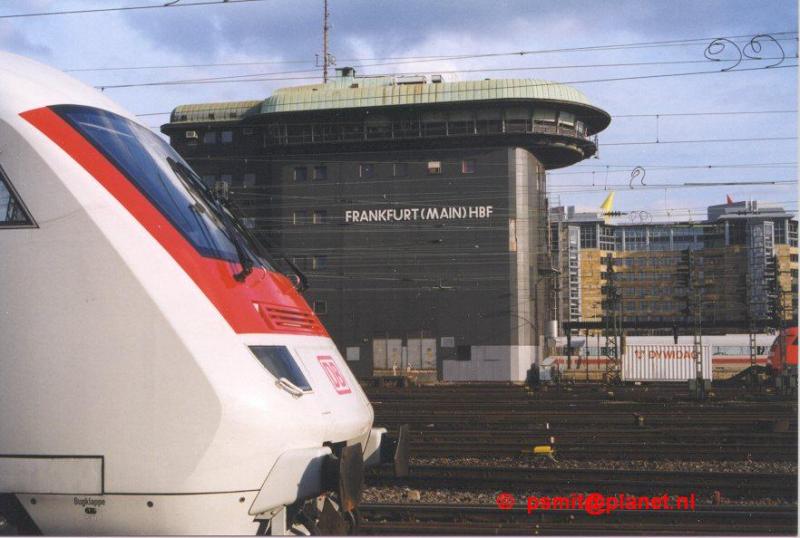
(371, 92)
(553, 120)
(351, 92)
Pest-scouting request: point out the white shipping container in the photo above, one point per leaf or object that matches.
(663, 363)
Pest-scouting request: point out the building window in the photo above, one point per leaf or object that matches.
(249, 180)
(226, 178)
(468, 166)
(249, 222)
(544, 117)
(320, 173)
(299, 217)
(366, 170)
(607, 238)
(319, 217)
(209, 180)
(320, 307)
(780, 232)
(400, 169)
(222, 189)
(516, 120)
(489, 121)
(319, 262)
(434, 167)
(300, 173)
(210, 137)
(792, 257)
(588, 236)
(301, 262)
(226, 137)
(566, 119)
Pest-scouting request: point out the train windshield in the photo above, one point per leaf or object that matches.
(167, 181)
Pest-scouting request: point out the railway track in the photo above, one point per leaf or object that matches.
(575, 393)
(421, 519)
(454, 437)
(579, 445)
(618, 451)
(472, 421)
(554, 481)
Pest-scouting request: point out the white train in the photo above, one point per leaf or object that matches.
(158, 375)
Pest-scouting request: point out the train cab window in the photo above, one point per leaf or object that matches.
(12, 212)
(280, 363)
(164, 178)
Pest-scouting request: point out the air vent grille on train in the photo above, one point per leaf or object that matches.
(289, 318)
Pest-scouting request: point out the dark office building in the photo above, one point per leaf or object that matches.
(416, 207)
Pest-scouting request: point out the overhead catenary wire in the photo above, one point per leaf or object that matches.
(501, 192)
(302, 158)
(280, 75)
(170, 5)
(230, 80)
(706, 113)
(452, 57)
(322, 161)
(299, 209)
(638, 115)
(701, 141)
(409, 257)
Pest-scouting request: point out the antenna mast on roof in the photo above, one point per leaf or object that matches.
(325, 28)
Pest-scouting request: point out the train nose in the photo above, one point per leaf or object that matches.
(301, 474)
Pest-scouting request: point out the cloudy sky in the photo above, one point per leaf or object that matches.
(278, 39)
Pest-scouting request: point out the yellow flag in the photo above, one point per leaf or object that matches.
(608, 203)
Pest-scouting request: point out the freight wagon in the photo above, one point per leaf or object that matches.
(729, 354)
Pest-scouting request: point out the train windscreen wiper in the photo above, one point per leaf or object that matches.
(235, 214)
(197, 190)
(245, 260)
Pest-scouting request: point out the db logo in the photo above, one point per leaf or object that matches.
(505, 501)
(334, 375)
